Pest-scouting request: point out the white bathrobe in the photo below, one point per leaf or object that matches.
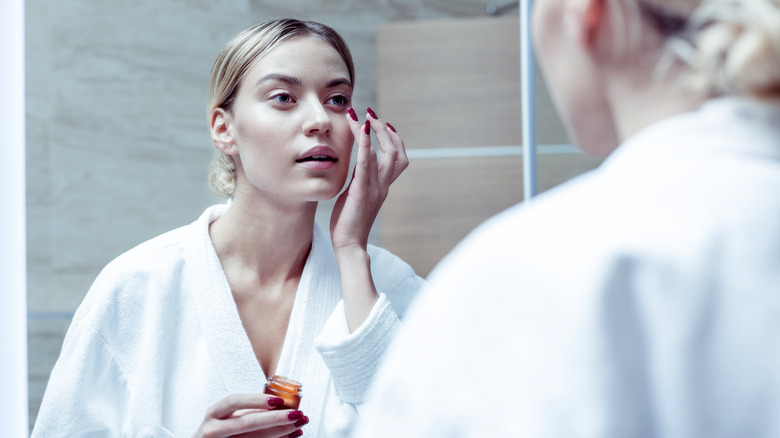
(158, 340)
(639, 300)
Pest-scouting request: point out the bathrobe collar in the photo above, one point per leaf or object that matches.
(229, 345)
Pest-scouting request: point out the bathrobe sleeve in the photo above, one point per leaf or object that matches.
(353, 358)
(108, 379)
(87, 391)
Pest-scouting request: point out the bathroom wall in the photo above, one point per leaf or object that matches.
(451, 87)
(117, 141)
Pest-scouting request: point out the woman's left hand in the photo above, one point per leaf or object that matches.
(357, 208)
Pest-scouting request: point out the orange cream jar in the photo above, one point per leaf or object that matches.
(286, 389)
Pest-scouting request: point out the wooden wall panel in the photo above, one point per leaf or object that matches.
(452, 83)
(436, 202)
(455, 84)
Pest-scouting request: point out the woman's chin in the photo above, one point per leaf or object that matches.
(325, 194)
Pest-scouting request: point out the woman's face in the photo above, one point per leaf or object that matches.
(288, 122)
(573, 73)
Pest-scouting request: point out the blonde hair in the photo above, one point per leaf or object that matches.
(237, 58)
(728, 47)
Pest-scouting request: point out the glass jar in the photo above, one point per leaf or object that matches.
(286, 389)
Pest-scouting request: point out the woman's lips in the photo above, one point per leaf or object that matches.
(318, 157)
(318, 164)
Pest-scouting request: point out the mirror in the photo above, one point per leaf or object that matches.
(117, 139)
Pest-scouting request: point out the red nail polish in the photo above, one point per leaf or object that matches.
(296, 434)
(372, 113)
(352, 114)
(295, 415)
(301, 422)
(368, 128)
(391, 127)
(275, 401)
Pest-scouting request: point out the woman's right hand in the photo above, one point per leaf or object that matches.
(251, 415)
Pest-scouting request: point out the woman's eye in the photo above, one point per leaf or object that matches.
(339, 100)
(282, 98)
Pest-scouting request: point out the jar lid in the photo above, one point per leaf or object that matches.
(285, 384)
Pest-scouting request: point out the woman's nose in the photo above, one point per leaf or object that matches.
(317, 120)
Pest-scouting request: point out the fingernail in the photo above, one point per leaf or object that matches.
(296, 434)
(295, 415)
(372, 113)
(352, 114)
(301, 422)
(368, 128)
(391, 127)
(275, 401)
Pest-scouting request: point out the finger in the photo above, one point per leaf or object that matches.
(362, 167)
(354, 123)
(373, 171)
(393, 160)
(402, 160)
(386, 145)
(371, 165)
(383, 137)
(265, 423)
(234, 402)
(292, 431)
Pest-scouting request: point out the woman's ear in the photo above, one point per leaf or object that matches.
(222, 132)
(585, 20)
(595, 19)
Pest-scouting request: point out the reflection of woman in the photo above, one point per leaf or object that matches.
(642, 299)
(177, 336)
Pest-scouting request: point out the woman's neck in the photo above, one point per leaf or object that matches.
(264, 240)
(641, 98)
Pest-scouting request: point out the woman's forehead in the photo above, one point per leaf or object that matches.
(301, 56)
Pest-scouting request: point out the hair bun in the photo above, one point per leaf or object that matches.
(736, 47)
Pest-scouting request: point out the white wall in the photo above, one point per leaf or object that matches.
(13, 321)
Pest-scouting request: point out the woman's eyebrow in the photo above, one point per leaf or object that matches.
(280, 77)
(336, 82)
(292, 80)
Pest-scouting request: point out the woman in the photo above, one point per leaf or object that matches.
(643, 298)
(177, 336)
